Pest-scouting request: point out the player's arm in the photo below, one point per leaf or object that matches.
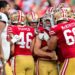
(2, 26)
(45, 48)
(52, 42)
(12, 45)
(39, 52)
(32, 44)
(11, 51)
(9, 38)
(13, 38)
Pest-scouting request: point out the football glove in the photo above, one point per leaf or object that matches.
(46, 36)
(41, 36)
(15, 39)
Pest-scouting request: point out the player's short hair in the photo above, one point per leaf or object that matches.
(60, 21)
(3, 4)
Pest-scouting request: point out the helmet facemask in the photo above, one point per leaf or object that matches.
(46, 22)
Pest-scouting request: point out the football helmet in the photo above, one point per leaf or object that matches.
(32, 19)
(59, 15)
(18, 17)
(46, 20)
(73, 15)
(67, 12)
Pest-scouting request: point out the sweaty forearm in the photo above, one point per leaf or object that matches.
(43, 54)
(45, 48)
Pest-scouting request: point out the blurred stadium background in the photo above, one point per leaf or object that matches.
(38, 6)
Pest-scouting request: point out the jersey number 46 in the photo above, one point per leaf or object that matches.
(22, 42)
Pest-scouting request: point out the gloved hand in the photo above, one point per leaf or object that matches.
(41, 36)
(15, 38)
(46, 36)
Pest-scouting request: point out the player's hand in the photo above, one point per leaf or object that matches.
(36, 31)
(41, 36)
(15, 39)
(53, 55)
(46, 36)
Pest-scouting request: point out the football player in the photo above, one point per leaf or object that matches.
(62, 36)
(46, 58)
(21, 37)
(5, 45)
(33, 21)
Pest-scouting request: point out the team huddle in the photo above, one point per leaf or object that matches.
(34, 45)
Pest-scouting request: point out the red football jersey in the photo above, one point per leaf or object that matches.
(44, 43)
(66, 38)
(26, 34)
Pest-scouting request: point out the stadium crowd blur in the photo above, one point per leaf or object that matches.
(38, 6)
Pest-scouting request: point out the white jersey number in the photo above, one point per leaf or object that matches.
(24, 43)
(70, 39)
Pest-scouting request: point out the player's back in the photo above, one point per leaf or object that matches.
(26, 33)
(66, 38)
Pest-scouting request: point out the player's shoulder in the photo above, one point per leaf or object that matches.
(3, 17)
(29, 27)
(2, 14)
(54, 26)
(57, 26)
(71, 20)
(41, 29)
(26, 28)
(53, 29)
(12, 26)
